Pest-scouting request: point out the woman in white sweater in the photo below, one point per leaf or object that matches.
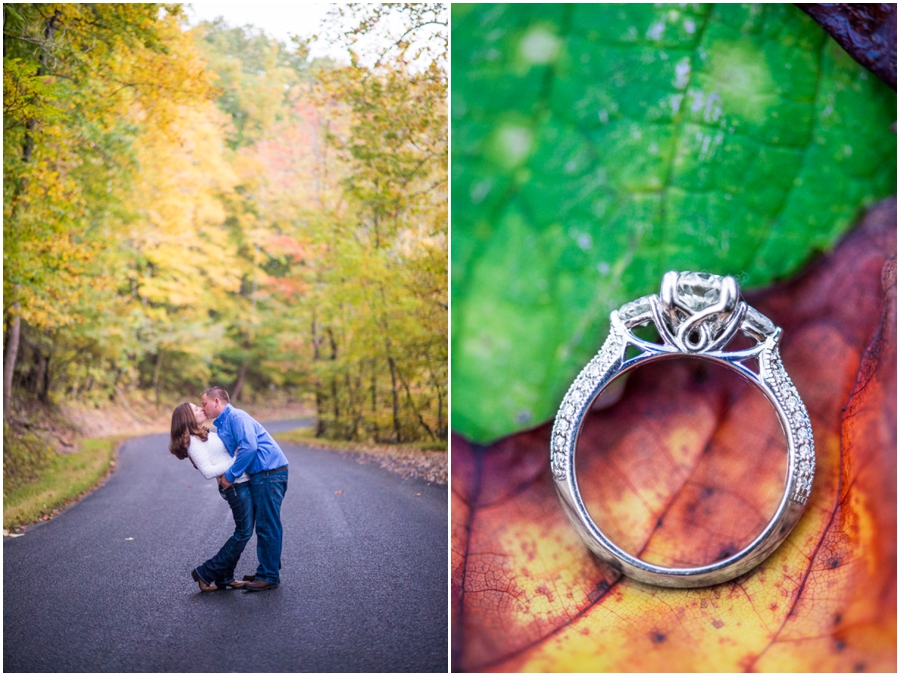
(189, 439)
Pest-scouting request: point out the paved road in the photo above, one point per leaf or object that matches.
(106, 586)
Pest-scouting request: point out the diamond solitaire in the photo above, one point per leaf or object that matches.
(697, 314)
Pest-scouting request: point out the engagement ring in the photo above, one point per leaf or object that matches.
(697, 315)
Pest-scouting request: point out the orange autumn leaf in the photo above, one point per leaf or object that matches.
(684, 469)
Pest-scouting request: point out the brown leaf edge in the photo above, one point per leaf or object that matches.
(867, 32)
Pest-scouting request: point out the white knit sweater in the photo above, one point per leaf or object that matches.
(211, 458)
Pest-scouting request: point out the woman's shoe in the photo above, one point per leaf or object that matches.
(203, 586)
(235, 584)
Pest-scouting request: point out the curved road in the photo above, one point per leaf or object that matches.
(106, 585)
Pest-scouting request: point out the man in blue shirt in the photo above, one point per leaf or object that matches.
(255, 452)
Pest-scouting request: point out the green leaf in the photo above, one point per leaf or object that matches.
(597, 146)
(11, 9)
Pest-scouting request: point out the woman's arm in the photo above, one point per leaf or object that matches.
(210, 464)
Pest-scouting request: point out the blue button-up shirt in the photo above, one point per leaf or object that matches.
(252, 447)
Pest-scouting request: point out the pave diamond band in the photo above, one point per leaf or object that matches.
(697, 315)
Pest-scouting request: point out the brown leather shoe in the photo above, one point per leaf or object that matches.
(249, 578)
(259, 585)
(203, 586)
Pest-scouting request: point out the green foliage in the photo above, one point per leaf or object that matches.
(25, 456)
(186, 208)
(380, 326)
(598, 146)
(256, 75)
(90, 91)
(62, 479)
(76, 77)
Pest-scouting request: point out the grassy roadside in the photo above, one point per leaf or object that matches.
(61, 482)
(67, 477)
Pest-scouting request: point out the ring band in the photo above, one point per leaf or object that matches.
(696, 314)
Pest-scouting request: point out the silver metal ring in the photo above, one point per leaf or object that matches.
(697, 315)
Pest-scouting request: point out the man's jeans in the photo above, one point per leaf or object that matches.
(220, 568)
(267, 490)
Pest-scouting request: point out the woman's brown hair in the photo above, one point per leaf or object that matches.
(183, 426)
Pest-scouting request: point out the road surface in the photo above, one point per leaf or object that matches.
(106, 585)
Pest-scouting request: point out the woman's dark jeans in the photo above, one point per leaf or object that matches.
(220, 568)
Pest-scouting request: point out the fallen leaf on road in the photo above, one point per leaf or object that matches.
(684, 469)
(418, 495)
(129, 538)
(339, 492)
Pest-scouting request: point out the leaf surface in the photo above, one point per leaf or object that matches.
(685, 468)
(595, 147)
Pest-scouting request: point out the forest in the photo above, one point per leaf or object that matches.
(187, 206)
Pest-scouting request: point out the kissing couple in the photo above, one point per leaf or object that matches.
(252, 472)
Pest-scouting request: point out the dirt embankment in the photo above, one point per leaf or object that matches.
(147, 419)
(74, 421)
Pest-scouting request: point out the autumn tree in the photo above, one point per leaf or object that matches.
(194, 206)
(380, 339)
(82, 84)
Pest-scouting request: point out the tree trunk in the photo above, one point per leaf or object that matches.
(412, 405)
(156, 369)
(353, 424)
(239, 383)
(375, 222)
(9, 359)
(39, 368)
(440, 412)
(441, 432)
(12, 346)
(42, 377)
(49, 31)
(336, 404)
(374, 429)
(396, 403)
(320, 403)
(359, 411)
(28, 143)
(45, 389)
(320, 393)
(334, 401)
(388, 344)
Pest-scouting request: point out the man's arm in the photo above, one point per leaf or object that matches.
(245, 436)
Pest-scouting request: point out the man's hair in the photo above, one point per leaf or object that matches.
(216, 392)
